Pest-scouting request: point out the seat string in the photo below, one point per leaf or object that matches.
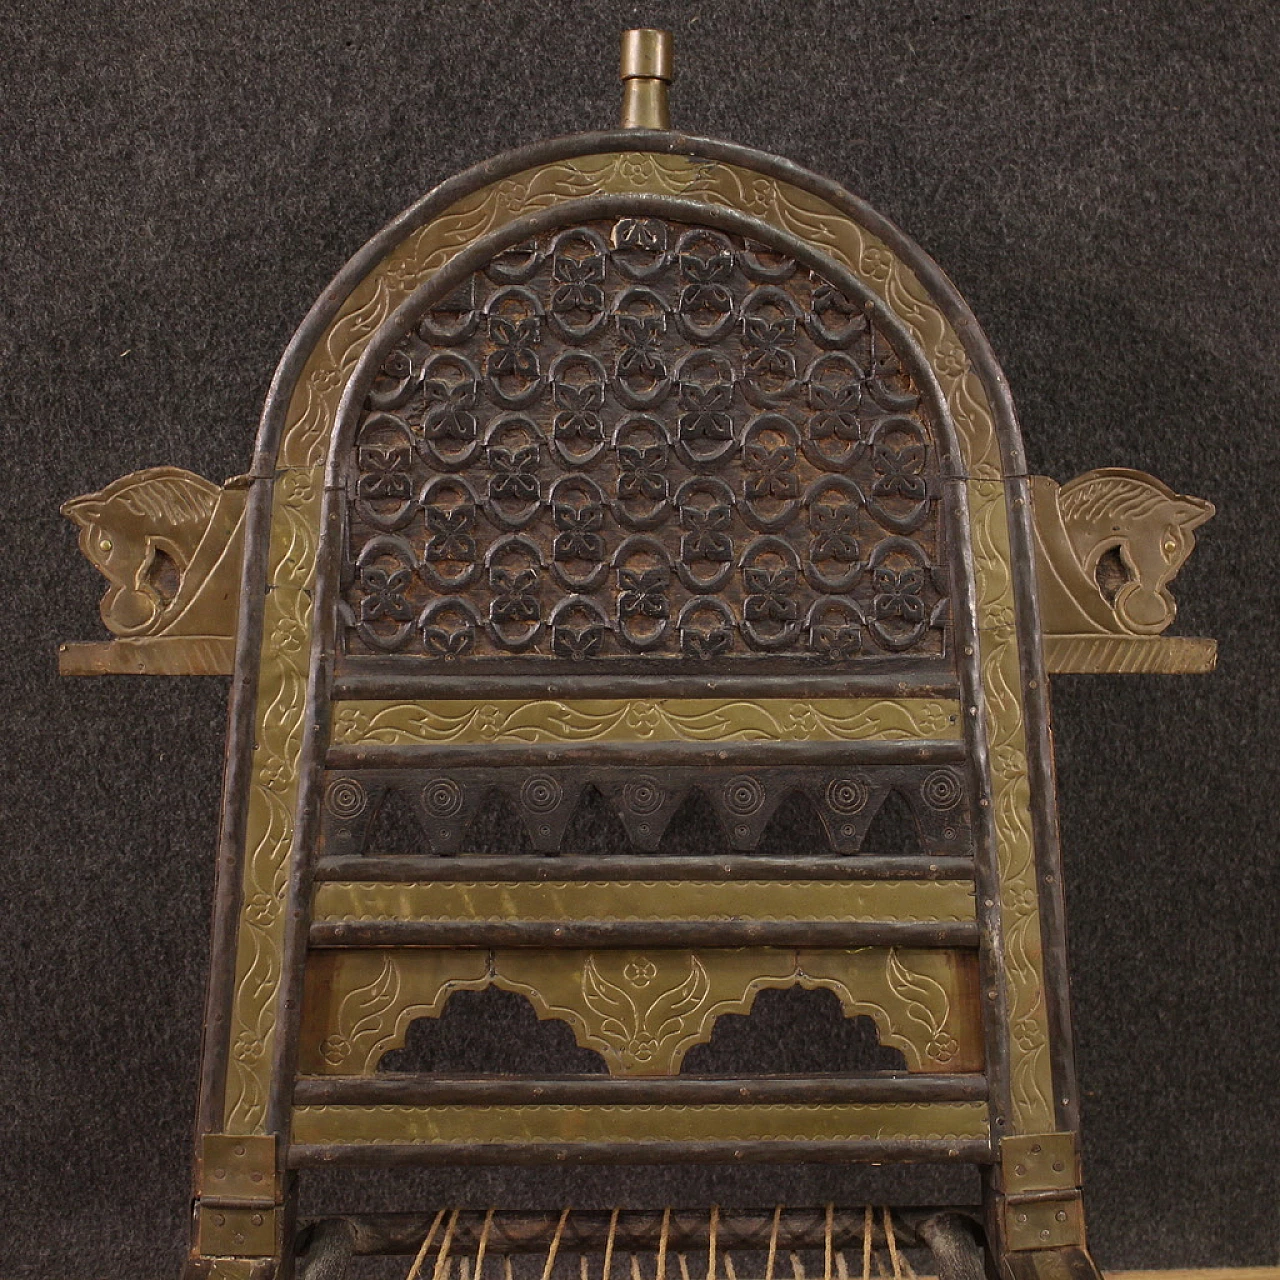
(484, 1242)
(773, 1243)
(893, 1244)
(608, 1244)
(555, 1244)
(442, 1258)
(663, 1236)
(426, 1245)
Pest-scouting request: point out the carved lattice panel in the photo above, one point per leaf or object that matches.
(640, 439)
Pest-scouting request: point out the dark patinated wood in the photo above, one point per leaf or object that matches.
(441, 1090)
(642, 933)
(867, 1151)
(406, 868)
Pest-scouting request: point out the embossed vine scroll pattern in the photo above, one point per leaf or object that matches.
(641, 438)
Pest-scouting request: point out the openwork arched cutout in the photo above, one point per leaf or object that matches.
(642, 1011)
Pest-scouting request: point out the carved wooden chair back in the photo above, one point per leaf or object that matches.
(656, 472)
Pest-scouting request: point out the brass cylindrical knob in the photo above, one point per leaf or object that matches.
(646, 73)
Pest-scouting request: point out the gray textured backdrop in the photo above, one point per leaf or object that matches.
(180, 179)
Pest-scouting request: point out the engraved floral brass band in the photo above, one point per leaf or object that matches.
(628, 1124)
(1031, 1071)
(641, 1010)
(295, 527)
(913, 901)
(639, 720)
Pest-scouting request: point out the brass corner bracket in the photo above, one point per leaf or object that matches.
(1042, 1206)
(238, 1212)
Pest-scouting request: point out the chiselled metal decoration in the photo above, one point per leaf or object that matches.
(641, 1010)
(649, 469)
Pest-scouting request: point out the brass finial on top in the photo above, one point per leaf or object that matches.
(646, 75)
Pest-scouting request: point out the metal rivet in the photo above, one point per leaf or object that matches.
(1020, 1169)
(239, 1150)
(1022, 1217)
(1058, 1166)
(256, 1219)
(1061, 1215)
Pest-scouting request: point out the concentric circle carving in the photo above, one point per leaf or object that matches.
(643, 795)
(941, 790)
(442, 797)
(743, 794)
(345, 798)
(848, 795)
(540, 794)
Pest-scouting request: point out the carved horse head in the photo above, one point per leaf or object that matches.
(138, 532)
(1147, 525)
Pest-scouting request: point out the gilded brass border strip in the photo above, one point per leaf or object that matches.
(915, 901)
(640, 1123)
(395, 723)
(1145, 655)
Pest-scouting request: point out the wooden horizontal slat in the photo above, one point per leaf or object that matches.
(422, 1090)
(643, 933)
(305, 1155)
(402, 868)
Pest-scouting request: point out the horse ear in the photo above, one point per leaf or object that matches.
(1193, 512)
(84, 511)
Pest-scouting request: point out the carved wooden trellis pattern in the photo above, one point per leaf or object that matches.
(636, 438)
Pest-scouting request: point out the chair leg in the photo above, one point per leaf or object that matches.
(1071, 1262)
(327, 1250)
(957, 1253)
